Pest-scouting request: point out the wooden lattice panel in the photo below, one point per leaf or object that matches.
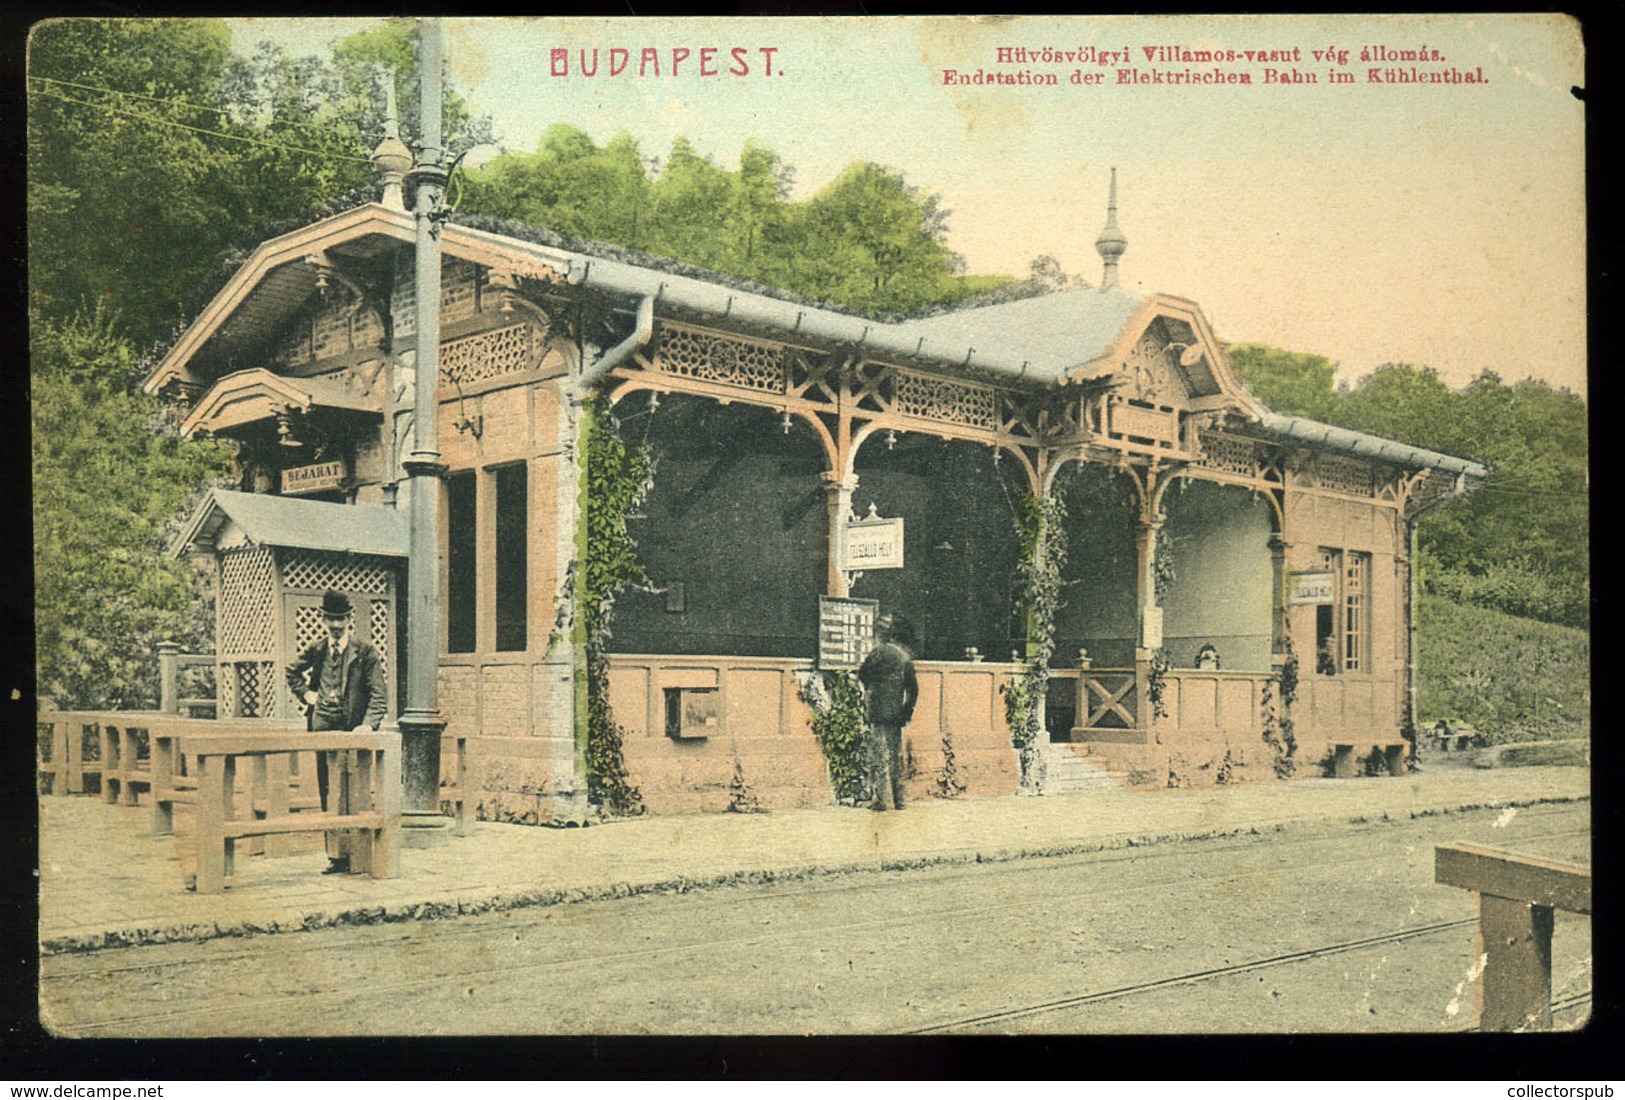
(316, 571)
(727, 361)
(307, 627)
(244, 620)
(255, 696)
(491, 354)
(931, 398)
(225, 677)
(1236, 456)
(381, 632)
(1344, 475)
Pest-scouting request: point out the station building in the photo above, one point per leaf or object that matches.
(812, 466)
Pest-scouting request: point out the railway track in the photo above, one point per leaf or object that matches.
(425, 946)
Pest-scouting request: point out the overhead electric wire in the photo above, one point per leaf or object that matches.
(158, 99)
(200, 130)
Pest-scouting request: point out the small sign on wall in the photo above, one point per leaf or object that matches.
(1308, 588)
(873, 543)
(321, 477)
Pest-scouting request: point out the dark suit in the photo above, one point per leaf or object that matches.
(888, 677)
(361, 701)
(361, 695)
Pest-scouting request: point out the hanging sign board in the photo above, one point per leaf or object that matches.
(873, 543)
(319, 478)
(1308, 588)
(846, 631)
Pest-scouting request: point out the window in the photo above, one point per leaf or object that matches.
(511, 560)
(461, 549)
(1343, 627)
(1356, 628)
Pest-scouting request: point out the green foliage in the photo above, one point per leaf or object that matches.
(109, 474)
(1275, 704)
(618, 477)
(949, 784)
(1512, 679)
(1288, 382)
(1041, 558)
(868, 240)
(1519, 542)
(836, 700)
(152, 149)
(1156, 682)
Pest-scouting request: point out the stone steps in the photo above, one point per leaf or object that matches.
(1065, 771)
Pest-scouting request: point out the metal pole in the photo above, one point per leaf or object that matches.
(420, 720)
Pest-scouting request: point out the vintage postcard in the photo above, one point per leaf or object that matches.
(956, 526)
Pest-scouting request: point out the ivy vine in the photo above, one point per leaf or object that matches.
(839, 723)
(1156, 683)
(618, 478)
(949, 784)
(1041, 530)
(1279, 729)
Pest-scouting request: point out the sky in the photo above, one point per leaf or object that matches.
(1439, 224)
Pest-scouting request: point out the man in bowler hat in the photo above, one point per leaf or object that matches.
(887, 675)
(338, 679)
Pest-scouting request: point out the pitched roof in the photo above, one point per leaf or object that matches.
(1051, 334)
(306, 524)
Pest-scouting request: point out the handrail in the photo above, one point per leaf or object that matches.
(1516, 896)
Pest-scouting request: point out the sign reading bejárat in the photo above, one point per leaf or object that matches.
(320, 477)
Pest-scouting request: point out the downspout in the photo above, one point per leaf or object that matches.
(573, 506)
(1413, 591)
(642, 332)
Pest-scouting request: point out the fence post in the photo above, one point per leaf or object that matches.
(168, 676)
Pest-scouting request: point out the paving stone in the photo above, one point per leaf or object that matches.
(105, 880)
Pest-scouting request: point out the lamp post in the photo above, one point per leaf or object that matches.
(420, 720)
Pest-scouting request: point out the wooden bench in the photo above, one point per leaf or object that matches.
(1516, 897)
(275, 786)
(1346, 765)
(369, 823)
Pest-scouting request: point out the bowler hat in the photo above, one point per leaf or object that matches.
(335, 605)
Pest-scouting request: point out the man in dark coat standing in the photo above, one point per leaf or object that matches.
(888, 679)
(338, 679)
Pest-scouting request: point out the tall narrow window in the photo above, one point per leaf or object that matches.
(511, 592)
(1327, 660)
(1356, 582)
(461, 562)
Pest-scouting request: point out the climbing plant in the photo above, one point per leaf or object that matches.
(1041, 529)
(1276, 704)
(1156, 682)
(949, 784)
(838, 721)
(618, 478)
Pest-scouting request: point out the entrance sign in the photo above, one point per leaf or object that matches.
(873, 543)
(846, 631)
(318, 478)
(1308, 588)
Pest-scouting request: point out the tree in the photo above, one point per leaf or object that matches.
(152, 150)
(108, 476)
(875, 242)
(1287, 382)
(1520, 542)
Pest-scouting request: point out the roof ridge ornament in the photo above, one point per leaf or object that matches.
(1111, 244)
(391, 157)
